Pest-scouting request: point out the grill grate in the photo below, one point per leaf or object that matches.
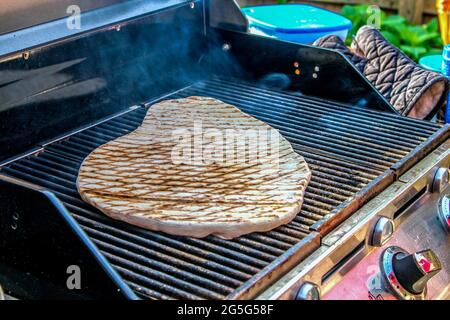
(346, 148)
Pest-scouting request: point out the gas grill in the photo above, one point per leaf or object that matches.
(73, 94)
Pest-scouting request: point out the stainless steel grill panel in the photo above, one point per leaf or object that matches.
(346, 148)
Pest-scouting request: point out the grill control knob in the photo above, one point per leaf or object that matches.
(444, 212)
(382, 231)
(440, 180)
(406, 275)
(308, 291)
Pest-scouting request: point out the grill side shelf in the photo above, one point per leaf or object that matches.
(45, 254)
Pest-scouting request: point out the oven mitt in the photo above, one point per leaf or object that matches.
(415, 92)
(335, 43)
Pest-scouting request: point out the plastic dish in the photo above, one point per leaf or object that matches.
(296, 22)
(432, 63)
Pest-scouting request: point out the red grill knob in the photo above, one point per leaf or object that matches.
(406, 275)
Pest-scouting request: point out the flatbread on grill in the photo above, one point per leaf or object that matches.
(170, 174)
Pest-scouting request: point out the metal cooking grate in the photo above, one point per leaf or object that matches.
(346, 149)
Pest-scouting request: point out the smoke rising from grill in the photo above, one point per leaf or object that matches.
(167, 52)
(275, 80)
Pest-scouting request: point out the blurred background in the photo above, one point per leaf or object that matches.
(411, 25)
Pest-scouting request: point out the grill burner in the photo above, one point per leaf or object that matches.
(346, 148)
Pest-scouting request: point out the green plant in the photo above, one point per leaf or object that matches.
(415, 40)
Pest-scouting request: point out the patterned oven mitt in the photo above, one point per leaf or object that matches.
(415, 92)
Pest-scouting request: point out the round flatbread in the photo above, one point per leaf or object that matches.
(197, 166)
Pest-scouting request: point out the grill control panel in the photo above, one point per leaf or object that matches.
(414, 263)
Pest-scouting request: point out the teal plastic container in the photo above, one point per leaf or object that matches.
(296, 22)
(432, 63)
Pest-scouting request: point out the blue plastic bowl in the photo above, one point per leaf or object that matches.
(432, 63)
(296, 22)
